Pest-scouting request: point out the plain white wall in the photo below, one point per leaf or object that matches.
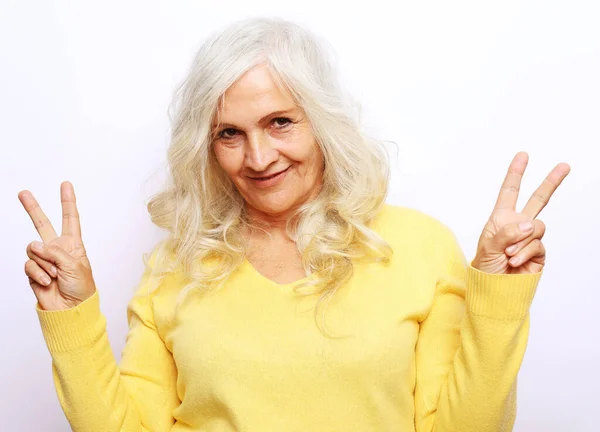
(460, 86)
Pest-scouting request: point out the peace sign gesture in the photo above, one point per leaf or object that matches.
(511, 242)
(59, 271)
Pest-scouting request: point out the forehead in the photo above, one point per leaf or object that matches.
(254, 95)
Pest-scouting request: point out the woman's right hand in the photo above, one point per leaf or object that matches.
(72, 283)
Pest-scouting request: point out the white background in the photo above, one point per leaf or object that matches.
(459, 86)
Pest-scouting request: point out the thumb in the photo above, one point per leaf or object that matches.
(54, 254)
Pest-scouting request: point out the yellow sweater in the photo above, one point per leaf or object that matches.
(434, 345)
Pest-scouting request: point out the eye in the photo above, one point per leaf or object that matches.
(281, 122)
(229, 133)
(225, 133)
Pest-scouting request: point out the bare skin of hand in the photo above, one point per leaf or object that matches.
(59, 271)
(511, 242)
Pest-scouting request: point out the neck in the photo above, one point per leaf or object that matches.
(272, 222)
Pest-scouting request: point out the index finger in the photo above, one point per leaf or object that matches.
(38, 217)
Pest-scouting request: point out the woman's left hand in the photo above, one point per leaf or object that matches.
(506, 245)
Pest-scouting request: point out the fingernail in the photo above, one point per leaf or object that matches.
(53, 271)
(526, 226)
(45, 280)
(511, 249)
(514, 260)
(36, 246)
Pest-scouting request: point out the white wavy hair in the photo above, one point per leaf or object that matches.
(201, 207)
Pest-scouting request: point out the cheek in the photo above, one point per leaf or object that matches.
(230, 159)
(311, 158)
(302, 147)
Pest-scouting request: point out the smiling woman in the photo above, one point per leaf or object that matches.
(274, 161)
(289, 296)
(276, 108)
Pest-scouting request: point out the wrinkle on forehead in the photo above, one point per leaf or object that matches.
(255, 91)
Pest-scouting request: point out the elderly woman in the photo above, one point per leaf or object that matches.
(289, 296)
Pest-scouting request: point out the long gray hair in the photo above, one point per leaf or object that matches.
(201, 207)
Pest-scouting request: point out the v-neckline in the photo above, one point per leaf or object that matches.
(289, 285)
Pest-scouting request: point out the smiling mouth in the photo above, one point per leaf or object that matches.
(271, 176)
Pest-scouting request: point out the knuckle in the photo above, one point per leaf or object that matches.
(542, 198)
(30, 267)
(31, 255)
(510, 231)
(510, 188)
(541, 247)
(29, 250)
(535, 247)
(541, 227)
(71, 215)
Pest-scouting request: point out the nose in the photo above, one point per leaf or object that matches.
(260, 152)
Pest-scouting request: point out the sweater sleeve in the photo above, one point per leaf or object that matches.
(470, 347)
(95, 393)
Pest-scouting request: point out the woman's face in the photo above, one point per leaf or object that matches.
(265, 145)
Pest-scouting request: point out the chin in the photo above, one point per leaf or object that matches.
(273, 205)
(273, 208)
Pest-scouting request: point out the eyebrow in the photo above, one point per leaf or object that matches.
(262, 120)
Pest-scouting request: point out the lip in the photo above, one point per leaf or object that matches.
(278, 178)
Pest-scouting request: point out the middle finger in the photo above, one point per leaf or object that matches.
(542, 195)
